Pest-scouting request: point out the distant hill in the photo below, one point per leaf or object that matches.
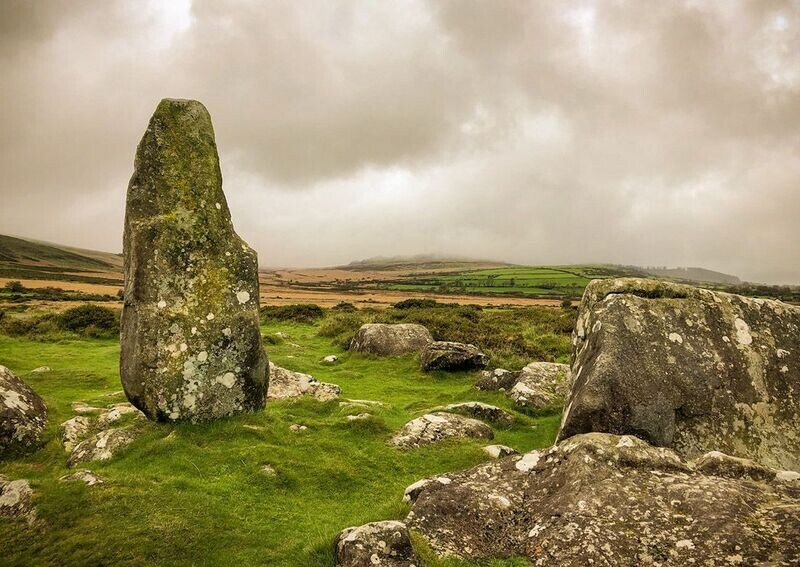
(700, 275)
(25, 258)
(419, 262)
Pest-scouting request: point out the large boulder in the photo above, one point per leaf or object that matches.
(386, 544)
(446, 355)
(541, 385)
(688, 368)
(23, 415)
(381, 339)
(603, 499)
(191, 348)
(436, 426)
(285, 384)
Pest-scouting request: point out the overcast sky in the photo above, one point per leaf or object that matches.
(650, 132)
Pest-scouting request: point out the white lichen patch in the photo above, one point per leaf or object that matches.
(162, 304)
(528, 461)
(228, 379)
(243, 296)
(210, 316)
(218, 206)
(676, 338)
(202, 356)
(14, 400)
(742, 332)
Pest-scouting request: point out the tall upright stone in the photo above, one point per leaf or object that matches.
(191, 348)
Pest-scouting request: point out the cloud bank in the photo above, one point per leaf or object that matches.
(656, 133)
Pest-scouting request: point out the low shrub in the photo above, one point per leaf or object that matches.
(344, 306)
(79, 319)
(417, 303)
(299, 313)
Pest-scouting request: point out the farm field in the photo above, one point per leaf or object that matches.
(174, 496)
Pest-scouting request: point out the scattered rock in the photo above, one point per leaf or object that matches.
(541, 385)
(497, 379)
(269, 470)
(285, 384)
(296, 427)
(359, 417)
(499, 451)
(390, 340)
(40, 370)
(84, 408)
(190, 343)
(23, 415)
(602, 499)
(84, 475)
(101, 446)
(446, 355)
(330, 359)
(688, 368)
(377, 543)
(16, 498)
(436, 426)
(482, 411)
(73, 430)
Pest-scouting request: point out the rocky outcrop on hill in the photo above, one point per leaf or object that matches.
(446, 355)
(541, 385)
(73, 430)
(688, 368)
(191, 348)
(285, 384)
(604, 499)
(386, 544)
(23, 415)
(390, 340)
(433, 427)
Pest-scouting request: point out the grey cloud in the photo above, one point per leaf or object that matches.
(607, 131)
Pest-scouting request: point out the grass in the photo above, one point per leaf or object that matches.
(196, 495)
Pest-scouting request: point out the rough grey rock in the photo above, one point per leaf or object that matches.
(359, 416)
(115, 413)
(84, 475)
(40, 370)
(296, 427)
(433, 427)
(330, 359)
(499, 451)
(480, 410)
(16, 498)
(74, 430)
(23, 415)
(414, 490)
(688, 368)
(378, 543)
(84, 408)
(497, 379)
(541, 385)
(101, 446)
(285, 384)
(607, 500)
(191, 348)
(382, 339)
(446, 355)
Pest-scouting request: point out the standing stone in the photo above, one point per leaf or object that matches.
(191, 348)
(23, 415)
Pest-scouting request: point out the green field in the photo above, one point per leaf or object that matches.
(548, 281)
(195, 494)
